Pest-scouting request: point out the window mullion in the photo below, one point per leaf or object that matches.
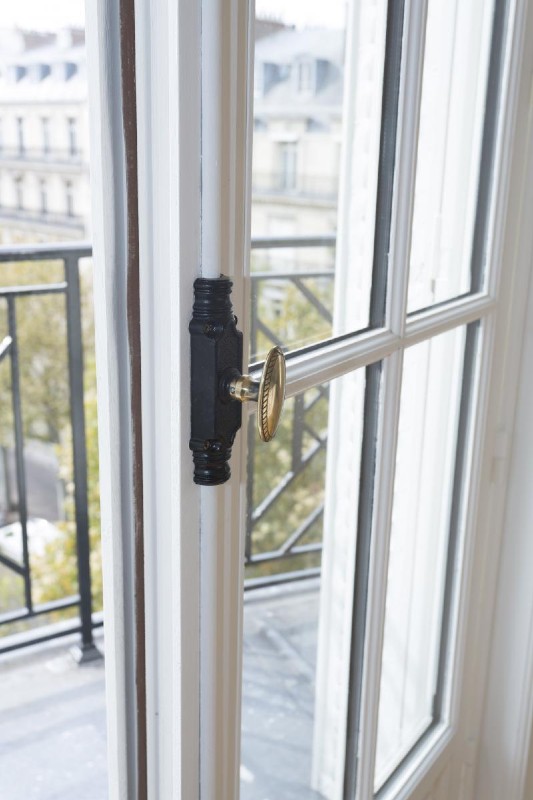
(404, 188)
(336, 359)
(404, 183)
(439, 319)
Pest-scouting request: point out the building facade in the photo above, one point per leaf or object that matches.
(298, 93)
(44, 142)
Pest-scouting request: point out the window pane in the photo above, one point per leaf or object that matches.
(427, 441)
(456, 60)
(293, 512)
(317, 115)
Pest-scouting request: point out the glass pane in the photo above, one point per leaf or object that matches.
(293, 513)
(311, 82)
(456, 60)
(427, 441)
(52, 711)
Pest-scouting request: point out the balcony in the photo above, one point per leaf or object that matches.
(43, 220)
(33, 157)
(52, 613)
(296, 186)
(273, 555)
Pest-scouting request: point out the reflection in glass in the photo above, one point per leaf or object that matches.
(317, 116)
(454, 82)
(427, 443)
(289, 625)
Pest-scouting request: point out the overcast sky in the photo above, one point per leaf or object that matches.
(320, 13)
(42, 15)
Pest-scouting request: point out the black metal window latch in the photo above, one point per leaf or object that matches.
(218, 387)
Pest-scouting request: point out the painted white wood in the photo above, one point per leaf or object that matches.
(332, 360)
(192, 70)
(410, 86)
(364, 63)
(385, 467)
(194, 603)
(508, 704)
(226, 92)
(345, 431)
(470, 657)
(450, 315)
(528, 791)
(112, 360)
(427, 440)
(405, 167)
(168, 118)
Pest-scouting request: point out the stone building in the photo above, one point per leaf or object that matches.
(44, 144)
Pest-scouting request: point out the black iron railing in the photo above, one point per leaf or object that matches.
(304, 293)
(69, 256)
(307, 441)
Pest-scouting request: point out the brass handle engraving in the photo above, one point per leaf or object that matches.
(268, 393)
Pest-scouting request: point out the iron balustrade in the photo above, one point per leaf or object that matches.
(319, 187)
(70, 256)
(301, 456)
(33, 155)
(52, 218)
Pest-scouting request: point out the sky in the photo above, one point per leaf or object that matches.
(302, 13)
(41, 15)
(54, 14)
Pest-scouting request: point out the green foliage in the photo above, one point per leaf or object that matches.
(290, 316)
(41, 337)
(41, 320)
(42, 343)
(293, 320)
(55, 572)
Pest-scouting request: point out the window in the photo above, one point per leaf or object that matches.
(288, 172)
(387, 408)
(69, 197)
(72, 137)
(43, 195)
(45, 126)
(19, 194)
(20, 135)
(305, 76)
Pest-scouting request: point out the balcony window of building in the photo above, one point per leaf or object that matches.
(20, 134)
(69, 197)
(45, 125)
(43, 194)
(305, 76)
(19, 193)
(72, 137)
(288, 159)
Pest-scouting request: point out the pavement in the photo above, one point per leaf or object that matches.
(52, 711)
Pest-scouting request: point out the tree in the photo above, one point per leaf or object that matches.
(42, 345)
(293, 320)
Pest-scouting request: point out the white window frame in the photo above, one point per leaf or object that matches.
(193, 734)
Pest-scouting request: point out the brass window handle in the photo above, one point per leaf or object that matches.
(268, 393)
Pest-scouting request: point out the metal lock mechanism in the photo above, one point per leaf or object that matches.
(218, 387)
